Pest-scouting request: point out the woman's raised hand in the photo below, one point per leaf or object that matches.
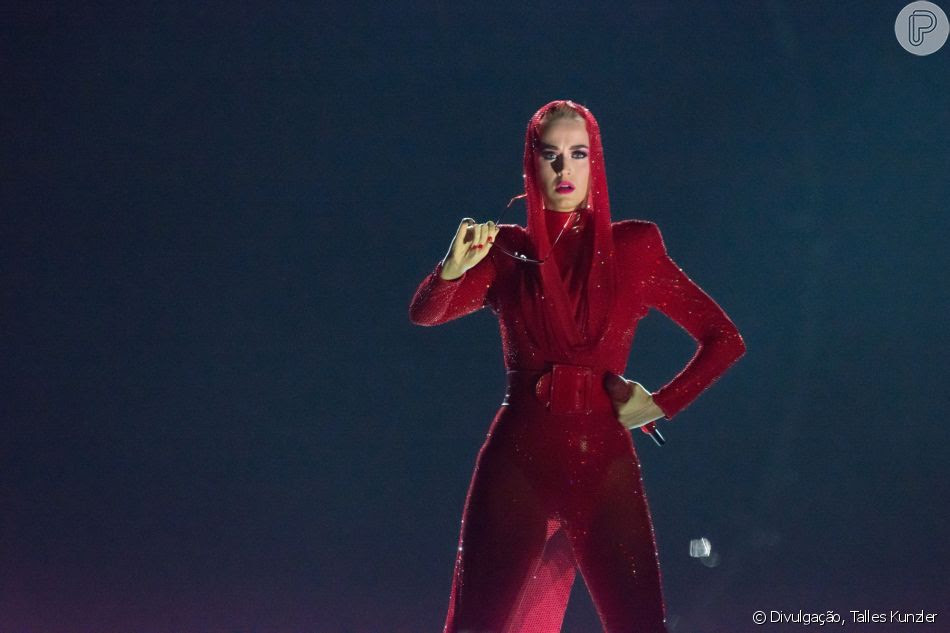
(633, 404)
(470, 245)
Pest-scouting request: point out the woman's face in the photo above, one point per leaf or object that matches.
(562, 158)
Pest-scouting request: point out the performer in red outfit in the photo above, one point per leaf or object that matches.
(557, 482)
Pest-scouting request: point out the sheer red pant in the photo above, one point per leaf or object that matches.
(550, 494)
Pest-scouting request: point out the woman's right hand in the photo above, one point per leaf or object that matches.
(469, 246)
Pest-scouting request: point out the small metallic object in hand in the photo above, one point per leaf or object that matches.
(655, 434)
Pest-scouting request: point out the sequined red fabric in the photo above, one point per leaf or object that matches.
(568, 320)
(553, 493)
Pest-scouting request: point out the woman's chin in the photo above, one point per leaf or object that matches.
(562, 204)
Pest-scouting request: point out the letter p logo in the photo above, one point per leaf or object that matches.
(918, 23)
(921, 28)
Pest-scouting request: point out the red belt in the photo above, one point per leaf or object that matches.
(562, 389)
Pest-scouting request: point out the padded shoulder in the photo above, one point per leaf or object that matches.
(636, 233)
(639, 238)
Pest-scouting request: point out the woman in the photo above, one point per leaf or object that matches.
(557, 482)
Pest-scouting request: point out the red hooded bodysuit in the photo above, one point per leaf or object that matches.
(557, 482)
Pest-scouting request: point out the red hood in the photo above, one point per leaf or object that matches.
(562, 335)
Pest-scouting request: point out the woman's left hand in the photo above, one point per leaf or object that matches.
(633, 404)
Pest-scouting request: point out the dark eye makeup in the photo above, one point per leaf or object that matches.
(549, 154)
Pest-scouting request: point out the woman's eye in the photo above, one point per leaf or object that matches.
(577, 154)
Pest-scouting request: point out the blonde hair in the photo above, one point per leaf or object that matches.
(560, 111)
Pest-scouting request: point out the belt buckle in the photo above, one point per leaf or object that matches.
(565, 389)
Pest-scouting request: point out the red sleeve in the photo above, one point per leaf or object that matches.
(437, 301)
(668, 289)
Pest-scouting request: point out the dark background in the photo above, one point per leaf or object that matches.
(216, 415)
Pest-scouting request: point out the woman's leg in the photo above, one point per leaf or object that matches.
(502, 538)
(543, 600)
(616, 552)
